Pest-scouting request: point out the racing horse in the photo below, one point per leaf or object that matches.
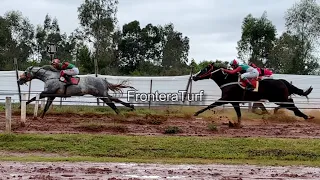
(233, 90)
(55, 86)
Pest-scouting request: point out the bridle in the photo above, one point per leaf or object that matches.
(217, 70)
(28, 74)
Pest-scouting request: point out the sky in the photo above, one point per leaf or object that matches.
(213, 26)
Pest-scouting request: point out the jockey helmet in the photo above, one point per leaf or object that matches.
(234, 63)
(55, 61)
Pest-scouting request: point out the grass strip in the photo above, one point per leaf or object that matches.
(166, 149)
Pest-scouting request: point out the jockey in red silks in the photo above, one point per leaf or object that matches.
(249, 73)
(65, 68)
(263, 72)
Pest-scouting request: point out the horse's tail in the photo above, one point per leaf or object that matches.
(294, 90)
(118, 87)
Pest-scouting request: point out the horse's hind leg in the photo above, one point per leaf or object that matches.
(276, 109)
(110, 104)
(261, 106)
(296, 111)
(121, 102)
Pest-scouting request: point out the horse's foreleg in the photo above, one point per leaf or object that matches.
(236, 107)
(110, 104)
(121, 102)
(41, 96)
(49, 102)
(213, 105)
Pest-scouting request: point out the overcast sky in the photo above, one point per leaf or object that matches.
(213, 26)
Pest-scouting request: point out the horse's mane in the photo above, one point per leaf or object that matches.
(50, 68)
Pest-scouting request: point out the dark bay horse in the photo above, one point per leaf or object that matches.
(273, 90)
(55, 87)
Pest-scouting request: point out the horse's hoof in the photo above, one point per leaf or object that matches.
(231, 124)
(310, 117)
(22, 124)
(235, 125)
(238, 126)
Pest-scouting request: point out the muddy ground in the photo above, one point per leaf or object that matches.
(157, 125)
(132, 171)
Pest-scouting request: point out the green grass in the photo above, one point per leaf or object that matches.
(167, 149)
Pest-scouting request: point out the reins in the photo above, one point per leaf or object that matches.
(226, 75)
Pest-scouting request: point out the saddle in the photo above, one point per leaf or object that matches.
(69, 80)
(254, 81)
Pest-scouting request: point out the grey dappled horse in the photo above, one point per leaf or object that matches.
(86, 85)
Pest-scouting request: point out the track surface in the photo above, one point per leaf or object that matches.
(190, 126)
(113, 171)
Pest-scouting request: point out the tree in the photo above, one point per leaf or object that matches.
(175, 48)
(303, 22)
(22, 32)
(131, 47)
(5, 40)
(138, 48)
(85, 60)
(257, 39)
(98, 21)
(50, 32)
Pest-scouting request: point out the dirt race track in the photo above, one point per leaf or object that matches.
(189, 126)
(156, 125)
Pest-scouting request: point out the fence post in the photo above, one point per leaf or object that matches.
(43, 103)
(8, 114)
(190, 91)
(290, 95)
(29, 93)
(150, 92)
(23, 109)
(36, 106)
(249, 106)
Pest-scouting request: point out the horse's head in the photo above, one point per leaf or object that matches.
(208, 71)
(27, 75)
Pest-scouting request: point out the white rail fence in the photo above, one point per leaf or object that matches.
(152, 85)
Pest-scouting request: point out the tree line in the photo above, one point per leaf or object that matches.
(155, 50)
(294, 51)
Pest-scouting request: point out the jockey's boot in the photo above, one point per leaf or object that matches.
(68, 79)
(249, 86)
